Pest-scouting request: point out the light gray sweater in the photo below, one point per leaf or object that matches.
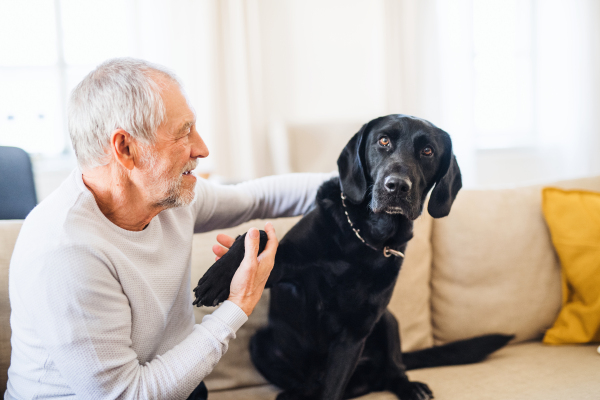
(99, 312)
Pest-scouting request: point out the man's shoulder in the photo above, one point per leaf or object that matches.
(62, 206)
(64, 220)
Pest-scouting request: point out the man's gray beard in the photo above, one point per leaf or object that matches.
(174, 197)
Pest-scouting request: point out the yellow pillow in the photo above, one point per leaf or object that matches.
(573, 217)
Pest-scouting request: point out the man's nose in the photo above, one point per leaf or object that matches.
(396, 184)
(199, 148)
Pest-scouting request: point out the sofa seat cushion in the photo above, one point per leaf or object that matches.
(269, 392)
(526, 371)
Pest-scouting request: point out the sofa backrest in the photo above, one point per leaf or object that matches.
(9, 230)
(494, 267)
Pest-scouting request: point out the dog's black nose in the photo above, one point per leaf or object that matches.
(396, 184)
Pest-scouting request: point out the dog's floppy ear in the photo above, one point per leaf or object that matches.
(352, 169)
(447, 185)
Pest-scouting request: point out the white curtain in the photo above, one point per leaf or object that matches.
(214, 46)
(429, 68)
(240, 61)
(430, 73)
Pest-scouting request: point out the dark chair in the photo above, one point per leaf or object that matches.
(17, 190)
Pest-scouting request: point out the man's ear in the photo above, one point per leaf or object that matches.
(351, 167)
(447, 185)
(123, 148)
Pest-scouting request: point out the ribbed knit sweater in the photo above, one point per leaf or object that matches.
(99, 312)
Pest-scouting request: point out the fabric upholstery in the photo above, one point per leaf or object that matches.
(17, 189)
(301, 139)
(269, 392)
(526, 371)
(574, 221)
(494, 267)
(410, 301)
(9, 230)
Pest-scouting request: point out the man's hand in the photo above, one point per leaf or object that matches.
(250, 279)
(226, 242)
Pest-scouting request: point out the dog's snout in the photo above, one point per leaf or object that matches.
(397, 184)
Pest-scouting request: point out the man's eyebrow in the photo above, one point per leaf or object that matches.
(185, 127)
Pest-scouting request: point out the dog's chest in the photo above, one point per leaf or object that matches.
(356, 291)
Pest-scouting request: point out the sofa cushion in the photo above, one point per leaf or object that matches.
(269, 392)
(526, 371)
(494, 267)
(573, 217)
(9, 230)
(410, 301)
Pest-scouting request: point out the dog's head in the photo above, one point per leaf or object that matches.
(400, 158)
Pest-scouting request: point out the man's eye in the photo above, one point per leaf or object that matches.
(384, 141)
(427, 151)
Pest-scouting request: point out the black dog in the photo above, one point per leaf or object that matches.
(330, 335)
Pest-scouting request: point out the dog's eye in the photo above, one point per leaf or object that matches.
(384, 141)
(427, 151)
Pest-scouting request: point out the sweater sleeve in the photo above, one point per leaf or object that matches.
(223, 206)
(84, 322)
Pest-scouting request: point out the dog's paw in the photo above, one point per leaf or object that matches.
(414, 391)
(213, 287)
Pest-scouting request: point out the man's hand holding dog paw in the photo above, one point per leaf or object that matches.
(250, 279)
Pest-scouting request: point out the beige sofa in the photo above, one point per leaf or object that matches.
(488, 267)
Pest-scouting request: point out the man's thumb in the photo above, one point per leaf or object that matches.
(251, 243)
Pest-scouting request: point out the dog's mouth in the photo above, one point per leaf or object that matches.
(389, 210)
(380, 206)
(394, 210)
(394, 206)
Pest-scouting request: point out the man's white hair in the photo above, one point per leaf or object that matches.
(119, 94)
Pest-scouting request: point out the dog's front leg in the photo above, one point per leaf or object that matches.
(341, 363)
(213, 287)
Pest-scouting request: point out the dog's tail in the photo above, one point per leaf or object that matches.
(466, 351)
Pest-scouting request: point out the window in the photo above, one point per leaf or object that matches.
(47, 47)
(503, 66)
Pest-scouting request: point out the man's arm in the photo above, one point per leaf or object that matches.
(222, 206)
(84, 321)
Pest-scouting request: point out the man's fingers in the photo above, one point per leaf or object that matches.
(219, 250)
(272, 241)
(225, 240)
(251, 242)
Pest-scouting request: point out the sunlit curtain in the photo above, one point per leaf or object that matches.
(529, 88)
(239, 115)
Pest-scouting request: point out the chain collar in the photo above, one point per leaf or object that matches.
(386, 250)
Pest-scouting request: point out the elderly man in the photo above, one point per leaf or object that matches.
(100, 275)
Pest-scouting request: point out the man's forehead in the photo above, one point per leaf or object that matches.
(179, 114)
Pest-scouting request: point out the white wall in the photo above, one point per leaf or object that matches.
(323, 60)
(349, 61)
